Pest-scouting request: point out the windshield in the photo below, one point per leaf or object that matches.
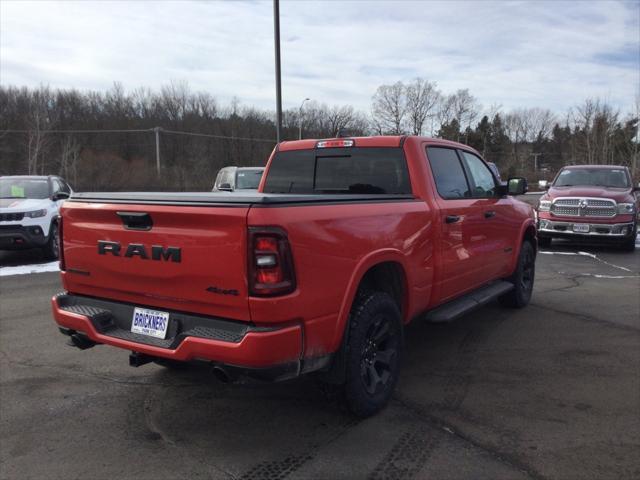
(248, 179)
(24, 188)
(596, 177)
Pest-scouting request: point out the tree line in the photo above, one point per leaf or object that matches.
(112, 140)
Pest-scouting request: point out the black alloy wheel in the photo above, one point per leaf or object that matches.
(373, 353)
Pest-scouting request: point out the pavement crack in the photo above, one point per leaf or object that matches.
(443, 426)
(586, 318)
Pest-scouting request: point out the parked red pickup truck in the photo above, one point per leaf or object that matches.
(593, 202)
(346, 241)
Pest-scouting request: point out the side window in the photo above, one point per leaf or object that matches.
(64, 186)
(484, 185)
(448, 173)
(56, 185)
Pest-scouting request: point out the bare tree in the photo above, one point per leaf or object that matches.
(465, 109)
(69, 157)
(389, 109)
(595, 121)
(422, 98)
(37, 121)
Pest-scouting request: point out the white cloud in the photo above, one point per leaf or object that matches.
(546, 54)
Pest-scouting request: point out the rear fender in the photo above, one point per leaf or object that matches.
(371, 260)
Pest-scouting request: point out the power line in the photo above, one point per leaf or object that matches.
(146, 130)
(81, 131)
(224, 137)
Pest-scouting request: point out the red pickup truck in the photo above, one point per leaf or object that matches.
(591, 202)
(344, 243)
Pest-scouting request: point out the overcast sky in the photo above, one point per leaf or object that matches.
(516, 54)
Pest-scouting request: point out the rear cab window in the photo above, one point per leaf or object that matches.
(364, 170)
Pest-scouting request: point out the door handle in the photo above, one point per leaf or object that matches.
(489, 214)
(136, 220)
(452, 218)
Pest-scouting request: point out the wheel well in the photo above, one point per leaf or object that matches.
(530, 236)
(388, 277)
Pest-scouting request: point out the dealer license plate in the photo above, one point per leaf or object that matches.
(150, 322)
(581, 227)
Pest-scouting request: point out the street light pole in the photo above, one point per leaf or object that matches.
(276, 34)
(157, 130)
(300, 119)
(535, 161)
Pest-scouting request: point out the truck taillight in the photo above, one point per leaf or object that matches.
(270, 262)
(60, 246)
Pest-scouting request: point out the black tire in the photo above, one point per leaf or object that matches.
(373, 353)
(629, 244)
(522, 279)
(50, 250)
(544, 242)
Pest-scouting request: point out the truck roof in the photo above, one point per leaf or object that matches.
(595, 167)
(375, 141)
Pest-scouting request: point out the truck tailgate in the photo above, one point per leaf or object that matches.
(192, 258)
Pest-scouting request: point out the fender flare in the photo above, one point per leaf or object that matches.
(363, 266)
(528, 224)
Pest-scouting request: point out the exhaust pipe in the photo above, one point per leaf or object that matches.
(82, 342)
(221, 374)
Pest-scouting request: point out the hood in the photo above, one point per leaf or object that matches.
(22, 204)
(617, 194)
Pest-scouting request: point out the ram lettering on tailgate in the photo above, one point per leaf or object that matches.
(158, 252)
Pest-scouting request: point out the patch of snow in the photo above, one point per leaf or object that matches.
(26, 269)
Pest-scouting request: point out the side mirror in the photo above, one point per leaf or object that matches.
(60, 196)
(517, 186)
(226, 187)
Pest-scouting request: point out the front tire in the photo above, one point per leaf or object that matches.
(51, 249)
(522, 279)
(373, 353)
(629, 244)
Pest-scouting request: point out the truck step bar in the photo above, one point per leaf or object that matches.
(468, 302)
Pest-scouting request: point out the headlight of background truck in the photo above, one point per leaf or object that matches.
(36, 213)
(626, 208)
(544, 205)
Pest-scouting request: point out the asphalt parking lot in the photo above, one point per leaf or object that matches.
(550, 391)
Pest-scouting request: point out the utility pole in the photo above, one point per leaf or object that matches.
(535, 161)
(300, 119)
(157, 131)
(276, 34)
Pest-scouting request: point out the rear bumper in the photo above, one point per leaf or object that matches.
(18, 237)
(220, 341)
(604, 231)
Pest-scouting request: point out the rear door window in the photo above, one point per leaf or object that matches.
(448, 173)
(340, 171)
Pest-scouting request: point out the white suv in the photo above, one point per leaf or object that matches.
(29, 212)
